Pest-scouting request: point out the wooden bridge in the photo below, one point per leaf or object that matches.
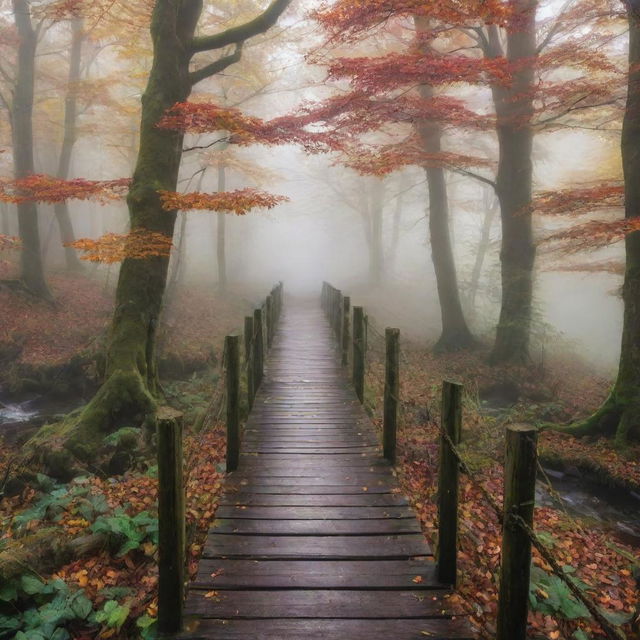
(313, 539)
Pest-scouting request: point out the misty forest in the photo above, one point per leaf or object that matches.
(319, 319)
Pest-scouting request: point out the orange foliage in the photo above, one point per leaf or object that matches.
(594, 234)
(114, 247)
(347, 18)
(614, 267)
(397, 70)
(393, 157)
(239, 202)
(579, 201)
(43, 188)
(241, 129)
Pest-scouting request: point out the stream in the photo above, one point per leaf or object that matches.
(614, 509)
(19, 418)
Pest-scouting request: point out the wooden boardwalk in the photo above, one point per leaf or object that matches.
(313, 539)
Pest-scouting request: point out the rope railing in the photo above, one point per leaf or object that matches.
(521, 465)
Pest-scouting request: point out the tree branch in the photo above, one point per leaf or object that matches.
(475, 176)
(216, 67)
(242, 32)
(206, 146)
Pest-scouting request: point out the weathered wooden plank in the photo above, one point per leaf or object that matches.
(368, 527)
(312, 513)
(328, 500)
(315, 547)
(311, 489)
(319, 603)
(324, 629)
(314, 478)
(321, 574)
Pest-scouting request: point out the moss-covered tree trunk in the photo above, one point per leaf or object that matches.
(61, 209)
(128, 395)
(514, 109)
(32, 270)
(620, 413)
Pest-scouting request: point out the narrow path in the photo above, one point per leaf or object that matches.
(313, 539)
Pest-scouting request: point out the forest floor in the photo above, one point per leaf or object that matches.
(111, 592)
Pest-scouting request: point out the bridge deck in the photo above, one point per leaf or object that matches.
(313, 539)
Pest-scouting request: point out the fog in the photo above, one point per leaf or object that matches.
(319, 234)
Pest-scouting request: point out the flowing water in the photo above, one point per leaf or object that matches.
(614, 509)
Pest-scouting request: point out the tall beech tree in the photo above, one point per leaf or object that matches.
(455, 332)
(401, 89)
(21, 107)
(514, 110)
(619, 415)
(129, 391)
(61, 209)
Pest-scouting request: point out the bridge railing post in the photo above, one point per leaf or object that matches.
(258, 350)
(171, 522)
(248, 359)
(359, 351)
(448, 480)
(336, 319)
(391, 393)
(270, 321)
(346, 313)
(232, 350)
(519, 499)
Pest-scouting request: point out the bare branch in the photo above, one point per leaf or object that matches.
(216, 67)
(242, 32)
(207, 146)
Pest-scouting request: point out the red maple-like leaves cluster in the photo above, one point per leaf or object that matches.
(398, 70)
(360, 112)
(240, 129)
(114, 247)
(385, 160)
(44, 188)
(594, 234)
(581, 200)
(239, 202)
(347, 18)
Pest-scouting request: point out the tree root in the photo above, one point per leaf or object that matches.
(618, 418)
(122, 401)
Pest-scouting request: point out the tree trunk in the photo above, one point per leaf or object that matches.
(620, 413)
(455, 332)
(481, 253)
(395, 230)
(61, 209)
(5, 228)
(127, 395)
(376, 208)
(514, 109)
(32, 271)
(221, 238)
